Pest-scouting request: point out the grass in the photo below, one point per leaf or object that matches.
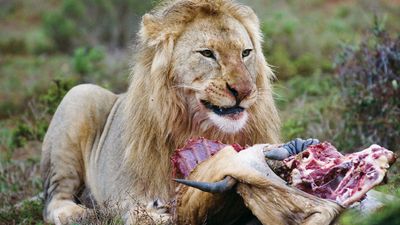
(19, 176)
(301, 50)
(23, 77)
(28, 213)
(309, 107)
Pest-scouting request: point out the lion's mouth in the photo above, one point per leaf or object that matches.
(221, 111)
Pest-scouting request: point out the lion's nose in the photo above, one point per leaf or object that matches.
(239, 90)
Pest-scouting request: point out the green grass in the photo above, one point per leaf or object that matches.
(23, 77)
(310, 107)
(29, 212)
(388, 215)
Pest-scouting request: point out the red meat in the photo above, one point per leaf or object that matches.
(194, 152)
(322, 171)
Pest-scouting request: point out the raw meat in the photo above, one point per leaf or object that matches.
(322, 171)
(194, 152)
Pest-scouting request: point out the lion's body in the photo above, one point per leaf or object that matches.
(119, 146)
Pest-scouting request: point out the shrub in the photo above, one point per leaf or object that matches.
(86, 60)
(13, 46)
(52, 98)
(309, 107)
(34, 128)
(73, 9)
(30, 212)
(111, 23)
(369, 75)
(387, 215)
(60, 29)
(293, 128)
(38, 42)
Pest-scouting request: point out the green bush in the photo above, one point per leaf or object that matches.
(21, 134)
(369, 75)
(35, 128)
(38, 42)
(309, 107)
(73, 9)
(29, 213)
(283, 34)
(60, 29)
(293, 128)
(52, 98)
(107, 22)
(316, 85)
(13, 45)
(388, 215)
(306, 64)
(86, 60)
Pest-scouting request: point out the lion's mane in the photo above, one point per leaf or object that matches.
(156, 115)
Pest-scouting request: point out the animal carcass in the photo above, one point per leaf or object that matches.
(238, 183)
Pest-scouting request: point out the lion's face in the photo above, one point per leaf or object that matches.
(214, 62)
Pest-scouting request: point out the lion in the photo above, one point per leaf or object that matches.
(198, 70)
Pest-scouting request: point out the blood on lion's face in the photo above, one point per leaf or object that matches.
(215, 63)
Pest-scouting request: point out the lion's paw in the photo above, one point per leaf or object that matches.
(67, 214)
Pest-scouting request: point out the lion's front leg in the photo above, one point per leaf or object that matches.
(154, 212)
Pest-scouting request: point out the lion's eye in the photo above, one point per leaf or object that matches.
(246, 52)
(207, 53)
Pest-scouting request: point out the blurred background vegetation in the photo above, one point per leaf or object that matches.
(337, 64)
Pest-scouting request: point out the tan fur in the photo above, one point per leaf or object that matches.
(119, 146)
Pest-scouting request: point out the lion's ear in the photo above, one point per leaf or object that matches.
(150, 27)
(157, 37)
(153, 30)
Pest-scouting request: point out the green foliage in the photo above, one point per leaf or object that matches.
(306, 64)
(110, 22)
(309, 106)
(29, 213)
(38, 42)
(369, 75)
(86, 60)
(24, 77)
(5, 142)
(36, 128)
(73, 9)
(294, 43)
(280, 30)
(317, 85)
(12, 45)
(60, 29)
(21, 134)
(282, 62)
(55, 94)
(388, 215)
(293, 128)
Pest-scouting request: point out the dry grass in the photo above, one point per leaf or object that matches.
(103, 215)
(19, 179)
